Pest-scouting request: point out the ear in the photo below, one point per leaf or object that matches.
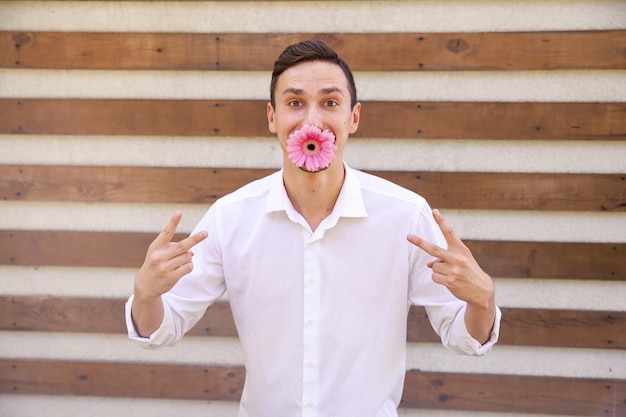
(356, 116)
(270, 118)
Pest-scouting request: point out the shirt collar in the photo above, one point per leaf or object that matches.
(349, 203)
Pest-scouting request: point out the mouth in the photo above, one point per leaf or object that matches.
(311, 149)
(303, 169)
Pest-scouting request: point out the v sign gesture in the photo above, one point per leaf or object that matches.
(166, 263)
(456, 268)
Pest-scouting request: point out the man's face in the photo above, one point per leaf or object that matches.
(314, 93)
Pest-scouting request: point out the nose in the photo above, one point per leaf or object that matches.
(314, 117)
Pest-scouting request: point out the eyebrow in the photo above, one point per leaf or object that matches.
(295, 91)
(299, 91)
(331, 90)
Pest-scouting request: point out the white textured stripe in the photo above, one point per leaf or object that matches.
(507, 360)
(100, 217)
(264, 152)
(74, 406)
(119, 348)
(468, 224)
(521, 360)
(561, 294)
(207, 85)
(67, 281)
(80, 406)
(538, 226)
(533, 86)
(498, 86)
(313, 16)
(225, 152)
(488, 156)
(118, 283)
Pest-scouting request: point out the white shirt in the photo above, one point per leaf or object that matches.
(322, 315)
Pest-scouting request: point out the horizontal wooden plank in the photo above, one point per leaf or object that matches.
(94, 315)
(122, 184)
(515, 394)
(563, 328)
(515, 191)
(121, 380)
(557, 260)
(416, 120)
(455, 190)
(602, 49)
(520, 327)
(430, 390)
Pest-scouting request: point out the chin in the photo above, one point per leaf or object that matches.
(303, 168)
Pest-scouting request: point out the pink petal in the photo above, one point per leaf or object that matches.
(321, 157)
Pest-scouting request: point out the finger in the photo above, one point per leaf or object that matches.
(428, 247)
(183, 270)
(447, 231)
(192, 240)
(174, 264)
(439, 278)
(440, 267)
(185, 245)
(433, 262)
(177, 270)
(170, 229)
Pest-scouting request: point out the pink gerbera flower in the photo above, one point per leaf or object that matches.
(311, 147)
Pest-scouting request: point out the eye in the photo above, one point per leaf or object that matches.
(332, 103)
(293, 103)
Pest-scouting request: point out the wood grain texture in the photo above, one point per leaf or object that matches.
(601, 49)
(453, 190)
(121, 380)
(556, 52)
(403, 120)
(429, 390)
(505, 259)
(515, 394)
(520, 327)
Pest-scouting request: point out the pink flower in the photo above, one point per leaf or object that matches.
(311, 147)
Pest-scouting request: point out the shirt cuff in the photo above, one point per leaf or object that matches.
(148, 342)
(466, 343)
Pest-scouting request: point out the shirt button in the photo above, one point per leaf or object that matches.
(310, 365)
(311, 322)
(311, 280)
(309, 405)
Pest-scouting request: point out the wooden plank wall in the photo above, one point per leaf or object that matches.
(509, 117)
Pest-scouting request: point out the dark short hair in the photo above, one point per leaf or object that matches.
(311, 50)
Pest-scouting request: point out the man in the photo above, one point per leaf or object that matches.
(321, 263)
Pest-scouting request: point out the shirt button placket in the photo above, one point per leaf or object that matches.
(310, 328)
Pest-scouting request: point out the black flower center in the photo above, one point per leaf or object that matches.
(310, 146)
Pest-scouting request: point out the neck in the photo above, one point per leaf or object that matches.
(313, 195)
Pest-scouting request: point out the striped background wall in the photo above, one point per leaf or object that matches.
(508, 116)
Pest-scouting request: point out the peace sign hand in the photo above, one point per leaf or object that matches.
(456, 268)
(166, 261)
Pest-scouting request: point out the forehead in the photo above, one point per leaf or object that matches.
(311, 77)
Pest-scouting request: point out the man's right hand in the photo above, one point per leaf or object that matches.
(166, 261)
(165, 264)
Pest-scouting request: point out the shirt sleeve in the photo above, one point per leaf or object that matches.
(161, 337)
(464, 343)
(186, 303)
(445, 312)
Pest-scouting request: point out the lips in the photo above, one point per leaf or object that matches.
(311, 148)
